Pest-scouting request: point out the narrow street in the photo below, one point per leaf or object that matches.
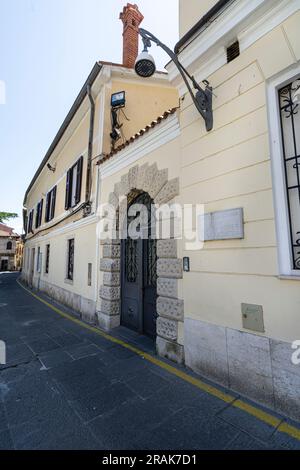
(67, 387)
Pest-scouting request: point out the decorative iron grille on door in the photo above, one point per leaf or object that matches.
(138, 268)
(290, 127)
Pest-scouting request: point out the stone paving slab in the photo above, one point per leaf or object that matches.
(65, 387)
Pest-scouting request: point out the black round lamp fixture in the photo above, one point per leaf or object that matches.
(145, 67)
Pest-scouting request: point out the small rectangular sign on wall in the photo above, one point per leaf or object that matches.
(223, 225)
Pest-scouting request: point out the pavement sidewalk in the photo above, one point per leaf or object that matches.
(67, 387)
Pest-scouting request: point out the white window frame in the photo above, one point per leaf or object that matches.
(278, 172)
(39, 261)
(67, 280)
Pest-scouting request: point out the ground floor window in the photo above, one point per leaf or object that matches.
(70, 259)
(39, 260)
(283, 93)
(89, 274)
(47, 259)
(289, 97)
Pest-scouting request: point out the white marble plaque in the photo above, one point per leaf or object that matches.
(222, 225)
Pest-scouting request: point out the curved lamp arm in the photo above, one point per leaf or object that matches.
(203, 98)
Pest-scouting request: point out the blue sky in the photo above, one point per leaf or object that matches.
(47, 49)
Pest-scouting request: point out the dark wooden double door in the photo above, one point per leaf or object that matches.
(138, 267)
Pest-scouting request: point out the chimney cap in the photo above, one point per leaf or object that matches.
(131, 7)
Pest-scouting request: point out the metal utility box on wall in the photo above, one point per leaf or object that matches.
(253, 317)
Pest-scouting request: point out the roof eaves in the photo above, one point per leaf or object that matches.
(136, 136)
(217, 8)
(77, 103)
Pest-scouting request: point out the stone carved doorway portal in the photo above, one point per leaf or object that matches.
(138, 269)
(145, 179)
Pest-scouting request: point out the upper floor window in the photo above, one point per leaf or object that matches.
(73, 184)
(38, 214)
(30, 222)
(50, 204)
(9, 245)
(290, 130)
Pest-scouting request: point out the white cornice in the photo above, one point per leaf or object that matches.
(155, 138)
(71, 227)
(243, 19)
(267, 22)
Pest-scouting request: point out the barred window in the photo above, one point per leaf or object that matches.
(39, 260)
(47, 259)
(289, 97)
(70, 266)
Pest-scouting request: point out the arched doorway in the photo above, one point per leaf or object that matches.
(138, 268)
(141, 179)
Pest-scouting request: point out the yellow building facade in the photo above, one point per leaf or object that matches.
(235, 284)
(227, 307)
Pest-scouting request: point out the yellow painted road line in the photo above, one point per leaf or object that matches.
(252, 410)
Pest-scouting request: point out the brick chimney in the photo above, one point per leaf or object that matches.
(131, 18)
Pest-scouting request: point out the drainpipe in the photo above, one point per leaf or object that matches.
(90, 153)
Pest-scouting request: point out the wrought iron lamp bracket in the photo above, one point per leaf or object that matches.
(202, 99)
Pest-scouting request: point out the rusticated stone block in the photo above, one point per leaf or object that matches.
(167, 248)
(171, 268)
(118, 189)
(108, 322)
(110, 241)
(113, 199)
(109, 293)
(123, 215)
(167, 287)
(172, 351)
(141, 176)
(151, 175)
(166, 328)
(110, 308)
(111, 279)
(132, 177)
(124, 189)
(168, 192)
(110, 265)
(111, 251)
(158, 182)
(171, 308)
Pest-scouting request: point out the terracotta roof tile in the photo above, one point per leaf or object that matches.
(133, 138)
(6, 228)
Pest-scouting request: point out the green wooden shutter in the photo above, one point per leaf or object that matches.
(68, 192)
(78, 180)
(41, 212)
(53, 202)
(47, 208)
